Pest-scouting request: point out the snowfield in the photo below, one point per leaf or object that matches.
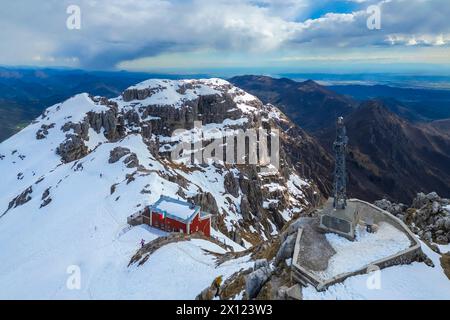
(179, 270)
(353, 255)
(60, 218)
(84, 226)
(64, 224)
(416, 281)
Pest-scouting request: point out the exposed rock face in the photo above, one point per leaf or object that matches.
(256, 280)
(21, 199)
(43, 131)
(154, 109)
(139, 94)
(428, 216)
(261, 263)
(46, 199)
(24, 197)
(246, 210)
(207, 293)
(132, 161)
(118, 153)
(73, 148)
(231, 184)
(251, 187)
(286, 249)
(107, 121)
(80, 129)
(207, 202)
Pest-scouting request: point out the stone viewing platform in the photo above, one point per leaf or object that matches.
(323, 257)
(349, 237)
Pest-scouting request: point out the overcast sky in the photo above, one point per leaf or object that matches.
(312, 35)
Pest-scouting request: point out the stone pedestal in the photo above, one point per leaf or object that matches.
(339, 221)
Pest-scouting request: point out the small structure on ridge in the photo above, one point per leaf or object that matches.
(174, 215)
(337, 216)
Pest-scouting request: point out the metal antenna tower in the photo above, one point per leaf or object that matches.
(340, 173)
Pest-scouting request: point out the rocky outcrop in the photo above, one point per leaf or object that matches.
(43, 131)
(207, 202)
(107, 121)
(21, 199)
(208, 293)
(231, 184)
(250, 185)
(80, 129)
(428, 216)
(246, 210)
(140, 94)
(46, 199)
(286, 249)
(73, 148)
(118, 153)
(256, 280)
(131, 161)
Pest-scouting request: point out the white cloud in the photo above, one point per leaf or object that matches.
(122, 30)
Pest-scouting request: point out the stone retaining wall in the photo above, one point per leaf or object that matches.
(407, 256)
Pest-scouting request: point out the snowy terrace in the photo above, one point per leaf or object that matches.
(174, 208)
(326, 259)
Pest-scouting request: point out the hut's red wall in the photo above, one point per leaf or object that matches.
(171, 225)
(205, 226)
(167, 224)
(175, 226)
(199, 225)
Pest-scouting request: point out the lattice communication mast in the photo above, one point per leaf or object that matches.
(340, 173)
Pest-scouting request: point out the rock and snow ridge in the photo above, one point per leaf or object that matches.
(72, 177)
(428, 216)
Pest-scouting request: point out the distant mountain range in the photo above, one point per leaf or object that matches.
(417, 104)
(390, 157)
(399, 142)
(310, 105)
(391, 154)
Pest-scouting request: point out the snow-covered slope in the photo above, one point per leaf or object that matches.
(72, 177)
(416, 281)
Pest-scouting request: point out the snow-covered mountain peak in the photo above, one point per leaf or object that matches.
(78, 171)
(73, 109)
(179, 93)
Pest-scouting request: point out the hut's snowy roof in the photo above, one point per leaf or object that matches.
(175, 208)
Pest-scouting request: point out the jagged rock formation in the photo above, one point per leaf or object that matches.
(269, 277)
(43, 131)
(256, 280)
(73, 148)
(21, 199)
(86, 164)
(249, 204)
(428, 216)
